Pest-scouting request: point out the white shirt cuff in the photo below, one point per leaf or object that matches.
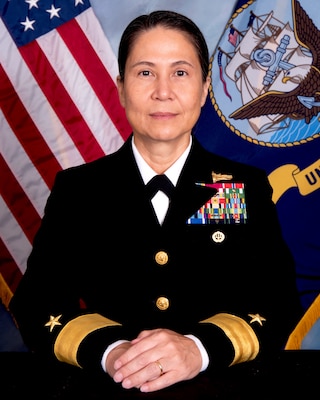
(107, 351)
(204, 354)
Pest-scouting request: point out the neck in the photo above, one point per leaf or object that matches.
(160, 155)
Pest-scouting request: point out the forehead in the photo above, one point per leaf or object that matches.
(161, 39)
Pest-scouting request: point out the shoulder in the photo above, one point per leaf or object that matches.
(102, 168)
(223, 165)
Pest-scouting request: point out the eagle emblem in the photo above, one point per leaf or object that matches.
(291, 88)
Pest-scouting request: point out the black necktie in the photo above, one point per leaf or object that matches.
(159, 182)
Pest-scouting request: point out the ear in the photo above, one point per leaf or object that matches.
(205, 90)
(120, 86)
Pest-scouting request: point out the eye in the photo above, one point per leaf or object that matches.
(144, 73)
(181, 73)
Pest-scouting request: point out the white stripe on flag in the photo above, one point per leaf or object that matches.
(13, 237)
(98, 41)
(22, 168)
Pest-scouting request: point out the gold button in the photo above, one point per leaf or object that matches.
(161, 258)
(218, 237)
(162, 303)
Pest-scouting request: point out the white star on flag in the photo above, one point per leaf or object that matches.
(28, 24)
(54, 12)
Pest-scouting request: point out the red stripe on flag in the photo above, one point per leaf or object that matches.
(61, 102)
(96, 73)
(26, 131)
(17, 201)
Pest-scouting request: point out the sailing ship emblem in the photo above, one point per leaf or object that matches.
(270, 74)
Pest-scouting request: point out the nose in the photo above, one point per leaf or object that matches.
(162, 88)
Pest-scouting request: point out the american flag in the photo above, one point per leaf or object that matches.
(59, 107)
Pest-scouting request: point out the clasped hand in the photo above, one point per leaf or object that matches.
(154, 360)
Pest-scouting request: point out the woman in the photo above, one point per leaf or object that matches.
(157, 290)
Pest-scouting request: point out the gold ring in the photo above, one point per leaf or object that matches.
(160, 367)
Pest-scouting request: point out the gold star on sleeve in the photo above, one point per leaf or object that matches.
(256, 318)
(53, 322)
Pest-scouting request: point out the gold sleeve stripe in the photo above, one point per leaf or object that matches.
(73, 333)
(242, 336)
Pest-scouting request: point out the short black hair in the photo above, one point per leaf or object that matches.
(167, 19)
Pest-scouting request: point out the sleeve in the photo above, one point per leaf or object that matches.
(47, 305)
(256, 324)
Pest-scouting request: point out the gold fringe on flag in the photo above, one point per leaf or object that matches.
(5, 292)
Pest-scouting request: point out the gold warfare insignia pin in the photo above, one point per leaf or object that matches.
(220, 177)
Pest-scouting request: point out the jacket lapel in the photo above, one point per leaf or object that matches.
(188, 196)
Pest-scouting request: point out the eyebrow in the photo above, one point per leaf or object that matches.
(151, 64)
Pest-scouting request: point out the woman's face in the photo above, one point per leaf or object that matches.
(162, 91)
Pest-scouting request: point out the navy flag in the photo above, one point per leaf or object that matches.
(264, 109)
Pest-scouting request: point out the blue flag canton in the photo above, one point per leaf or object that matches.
(26, 20)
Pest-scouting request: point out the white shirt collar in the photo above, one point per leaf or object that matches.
(172, 173)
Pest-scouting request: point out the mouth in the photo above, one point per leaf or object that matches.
(163, 115)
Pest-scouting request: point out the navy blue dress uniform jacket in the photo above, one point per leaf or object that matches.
(103, 269)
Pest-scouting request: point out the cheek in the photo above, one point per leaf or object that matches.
(135, 97)
(195, 96)
(193, 103)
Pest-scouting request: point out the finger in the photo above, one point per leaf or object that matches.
(146, 333)
(139, 347)
(161, 382)
(150, 372)
(160, 367)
